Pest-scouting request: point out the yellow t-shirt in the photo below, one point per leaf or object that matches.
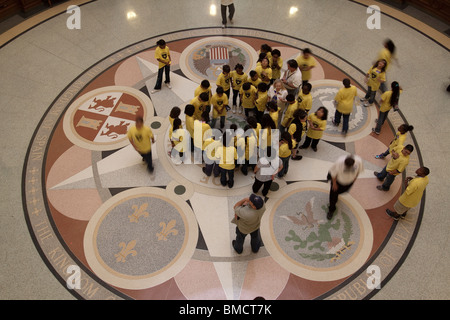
(199, 90)
(289, 114)
(178, 138)
(413, 193)
(264, 74)
(293, 128)
(202, 133)
(345, 98)
(255, 82)
(199, 106)
(171, 127)
(274, 115)
(304, 101)
(142, 138)
(386, 55)
(211, 146)
(247, 143)
(400, 163)
(276, 73)
(238, 79)
(224, 81)
(399, 139)
(316, 123)
(248, 97)
(375, 76)
(226, 156)
(386, 101)
(284, 151)
(302, 63)
(190, 125)
(162, 54)
(219, 104)
(265, 138)
(261, 101)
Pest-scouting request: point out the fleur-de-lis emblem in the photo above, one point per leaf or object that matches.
(138, 212)
(127, 249)
(167, 230)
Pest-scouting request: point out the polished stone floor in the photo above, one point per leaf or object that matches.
(48, 71)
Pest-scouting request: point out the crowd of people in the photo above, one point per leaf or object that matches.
(276, 105)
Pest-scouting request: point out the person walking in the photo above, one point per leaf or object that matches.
(247, 217)
(265, 172)
(396, 165)
(224, 4)
(343, 174)
(141, 138)
(415, 187)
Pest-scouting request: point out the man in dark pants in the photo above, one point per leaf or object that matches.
(247, 217)
(342, 174)
(223, 8)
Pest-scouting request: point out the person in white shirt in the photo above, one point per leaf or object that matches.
(292, 77)
(343, 173)
(277, 92)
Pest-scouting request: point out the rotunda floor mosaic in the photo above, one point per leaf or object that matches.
(90, 202)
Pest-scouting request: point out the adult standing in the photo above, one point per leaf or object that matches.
(344, 104)
(224, 4)
(247, 217)
(412, 195)
(141, 138)
(343, 173)
(292, 77)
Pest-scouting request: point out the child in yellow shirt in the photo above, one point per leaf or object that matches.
(162, 54)
(247, 97)
(317, 123)
(219, 102)
(276, 64)
(285, 152)
(238, 78)
(261, 100)
(224, 80)
(374, 78)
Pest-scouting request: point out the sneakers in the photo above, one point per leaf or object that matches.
(375, 131)
(240, 109)
(393, 215)
(155, 91)
(168, 85)
(376, 175)
(234, 108)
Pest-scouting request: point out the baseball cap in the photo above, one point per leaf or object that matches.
(257, 201)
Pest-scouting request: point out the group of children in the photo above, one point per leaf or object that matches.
(277, 116)
(276, 122)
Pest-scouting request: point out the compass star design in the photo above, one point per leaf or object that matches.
(89, 184)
